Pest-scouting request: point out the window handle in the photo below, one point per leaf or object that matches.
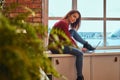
(115, 59)
(57, 61)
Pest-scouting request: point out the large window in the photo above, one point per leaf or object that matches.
(100, 19)
(90, 8)
(58, 8)
(113, 8)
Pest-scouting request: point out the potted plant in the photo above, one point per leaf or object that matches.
(22, 54)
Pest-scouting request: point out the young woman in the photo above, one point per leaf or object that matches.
(71, 20)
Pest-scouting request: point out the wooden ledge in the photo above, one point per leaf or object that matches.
(96, 53)
(57, 55)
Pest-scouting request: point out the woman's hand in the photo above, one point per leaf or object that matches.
(84, 49)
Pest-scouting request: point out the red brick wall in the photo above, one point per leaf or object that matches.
(35, 5)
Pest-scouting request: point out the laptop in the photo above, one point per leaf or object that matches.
(98, 44)
(89, 51)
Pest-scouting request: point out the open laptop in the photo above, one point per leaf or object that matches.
(89, 51)
(98, 44)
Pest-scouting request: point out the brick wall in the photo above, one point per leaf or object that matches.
(35, 5)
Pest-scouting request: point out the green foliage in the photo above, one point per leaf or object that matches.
(56, 43)
(21, 50)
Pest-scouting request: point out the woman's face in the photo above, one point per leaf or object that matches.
(73, 17)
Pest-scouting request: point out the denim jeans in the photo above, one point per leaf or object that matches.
(76, 36)
(74, 51)
(78, 56)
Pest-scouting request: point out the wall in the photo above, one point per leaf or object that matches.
(35, 5)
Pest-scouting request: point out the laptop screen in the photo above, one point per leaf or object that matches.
(90, 51)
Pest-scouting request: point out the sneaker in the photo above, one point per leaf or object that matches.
(88, 46)
(80, 78)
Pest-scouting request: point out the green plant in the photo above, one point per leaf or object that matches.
(21, 50)
(56, 43)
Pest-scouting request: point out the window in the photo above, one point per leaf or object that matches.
(90, 8)
(113, 8)
(100, 19)
(113, 33)
(55, 7)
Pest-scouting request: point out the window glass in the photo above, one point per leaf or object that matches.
(113, 33)
(51, 24)
(58, 8)
(90, 8)
(92, 31)
(113, 8)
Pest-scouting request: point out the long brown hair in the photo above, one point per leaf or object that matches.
(76, 24)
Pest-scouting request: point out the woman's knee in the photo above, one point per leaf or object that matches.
(71, 30)
(77, 53)
(80, 54)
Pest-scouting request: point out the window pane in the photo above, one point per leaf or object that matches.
(90, 8)
(51, 24)
(113, 8)
(58, 8)
(113, 33)
(92, 31)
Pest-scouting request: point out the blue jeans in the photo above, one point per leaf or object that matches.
(77, 53)
(76, 36)
(79, 57)
(74, 51)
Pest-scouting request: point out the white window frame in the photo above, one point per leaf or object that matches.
(45, 19)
